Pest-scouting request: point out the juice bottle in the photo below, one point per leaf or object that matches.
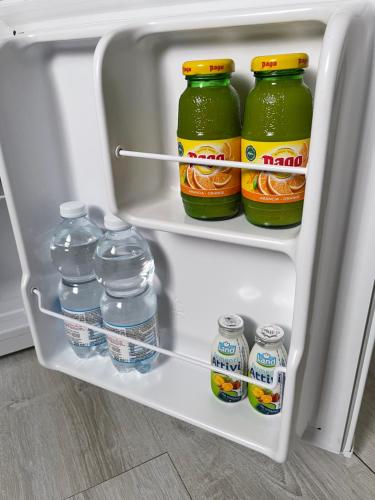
(267, 354)
(209, 127)
(276, 131)
(230, 351)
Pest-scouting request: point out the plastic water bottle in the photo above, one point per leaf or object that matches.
(72, 251)
(125, 266)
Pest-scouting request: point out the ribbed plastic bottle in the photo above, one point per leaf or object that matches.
(125, 266)
(72, 251)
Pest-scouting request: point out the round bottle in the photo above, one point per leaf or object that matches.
(72, 251)
(125, 266)
(267, 354)
(276, 131)
(209, 127)
(230, 351)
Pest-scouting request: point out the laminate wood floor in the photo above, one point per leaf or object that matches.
(61, 438)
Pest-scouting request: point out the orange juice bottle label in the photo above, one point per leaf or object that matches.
(208, 181)
(269, 187)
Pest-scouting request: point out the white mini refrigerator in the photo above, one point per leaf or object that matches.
(85, 84)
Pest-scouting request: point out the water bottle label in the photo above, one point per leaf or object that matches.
(81, 335)
(121, 350)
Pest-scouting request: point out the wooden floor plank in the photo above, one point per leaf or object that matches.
(157, 479)
(60, 436)
(364, 443)
(214, 468)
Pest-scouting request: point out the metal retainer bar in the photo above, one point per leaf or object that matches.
(182, 357)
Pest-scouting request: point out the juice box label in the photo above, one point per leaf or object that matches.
(208, 181)
(269, 187)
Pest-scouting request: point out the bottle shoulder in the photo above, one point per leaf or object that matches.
(278, 113)
(212, 113)
(76, 232)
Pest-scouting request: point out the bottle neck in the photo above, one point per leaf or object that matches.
(81, 280)
(271, 346)
(74, 219)
(203, 81)
(230, 335)
(280, 76)
(118, 234)
(126, 293)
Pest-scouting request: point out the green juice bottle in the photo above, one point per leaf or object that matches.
(209, 127)
(276, 131)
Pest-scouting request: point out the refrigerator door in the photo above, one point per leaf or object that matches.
(343, 333)
(59, 135)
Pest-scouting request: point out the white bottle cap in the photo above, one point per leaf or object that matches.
(269, 334)
(73, 209)
(114, 223)
(230, 323)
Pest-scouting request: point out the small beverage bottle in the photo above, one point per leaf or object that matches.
(209, 127)
(125, 266)
(72, 251)
(230, 351)
(267, 354)
(276, 132)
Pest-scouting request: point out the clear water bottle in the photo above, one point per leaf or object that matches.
(72, 251)
(125, 266)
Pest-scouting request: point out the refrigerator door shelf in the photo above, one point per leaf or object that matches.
(139, 108)
(178, 385)
(237, 230)
(166, 352)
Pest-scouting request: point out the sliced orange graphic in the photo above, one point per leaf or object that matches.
(221, 179)
(305, 153)
(284, 152)
(227, 150)
(203, 181)
(190, 177)
(297, 182)
(263, 184)
(278, 187)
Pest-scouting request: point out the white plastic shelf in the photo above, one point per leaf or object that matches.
(179, 390)
(167, 213)
(176, 385)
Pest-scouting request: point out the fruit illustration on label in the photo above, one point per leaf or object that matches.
(267, 354)
(210, 181)
(229, 352)
(275, 187)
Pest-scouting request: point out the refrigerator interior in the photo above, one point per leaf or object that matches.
(87, 94)
(14, 332)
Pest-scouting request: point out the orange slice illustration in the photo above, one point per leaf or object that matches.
(203, 181)
(297, 182)
(278, 187)
(227, 150)
(305, 153)
(221, 179)
(263, 183)
(190, 178)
